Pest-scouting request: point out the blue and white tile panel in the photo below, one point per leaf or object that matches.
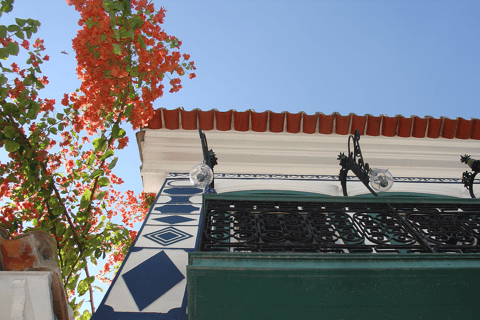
(152, 279)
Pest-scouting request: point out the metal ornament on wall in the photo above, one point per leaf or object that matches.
(202, 175)
(468, 177)
(378, 179)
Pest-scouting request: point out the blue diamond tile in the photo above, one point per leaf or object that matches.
(176, 209)
(168, 236)
(152, 279)
(173, 219)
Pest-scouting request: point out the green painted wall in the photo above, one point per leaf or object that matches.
(311, 286)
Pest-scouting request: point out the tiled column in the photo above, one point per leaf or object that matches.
(152, 279)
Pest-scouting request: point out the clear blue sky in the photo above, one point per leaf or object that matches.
(409, 57)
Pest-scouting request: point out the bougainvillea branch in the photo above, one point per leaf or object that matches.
(59, 175)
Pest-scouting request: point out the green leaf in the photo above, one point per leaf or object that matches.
(9, 108)
(107, 154)
(11, 146)
(3, 32)
(89, 280)
(117, 34)
(91, 159)
(103, 37)
(60, 229)
(12, 48)
(96, 173)
(51, 121)
(82, 288)
(101, 195)
(20, 22)
(86, 197)
(20, 35)
(98, 143)
(3, 53)
(113, 163)
(73, 283)
(60, 116)
(128, 111)
(117, 49)
(98, 288)
(103, 181)
(31, 113)
(13, 28)
(86, 315)
(9, 131)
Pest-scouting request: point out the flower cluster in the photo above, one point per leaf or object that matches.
(123, 65)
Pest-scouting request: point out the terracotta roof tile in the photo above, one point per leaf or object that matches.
(172, 120)
(449, 127)
(419, 127)
(189, 119)
(277, 121)
(358, 123)
(310, 123)
(389, 126)
(259, 121)
(464, 128)
(413, 126)
(242, 120)
(294, 122)
(325, 124)
(404, 127)
(373, 125)
(206, 119)
(224, 120)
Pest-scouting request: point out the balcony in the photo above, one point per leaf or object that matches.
(335, 258)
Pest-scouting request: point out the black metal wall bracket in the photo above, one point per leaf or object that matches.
(468, 177)
(209, 157)
(354, 161)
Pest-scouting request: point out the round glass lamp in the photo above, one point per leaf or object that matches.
(381, 180)
(201, 175)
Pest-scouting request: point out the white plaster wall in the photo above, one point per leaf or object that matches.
(164, 151)
(26, 295)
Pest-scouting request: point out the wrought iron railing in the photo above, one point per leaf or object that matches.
(326, 227)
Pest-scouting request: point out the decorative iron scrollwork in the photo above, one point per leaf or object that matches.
(245, 226)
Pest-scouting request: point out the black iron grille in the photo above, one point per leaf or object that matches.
(248, 226)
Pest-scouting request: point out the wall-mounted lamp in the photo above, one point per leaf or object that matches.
(202, 174)
(468, 178)
(373, 179)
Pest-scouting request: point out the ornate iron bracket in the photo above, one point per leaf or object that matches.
(209, 157)
(354, 161)
(468, 177)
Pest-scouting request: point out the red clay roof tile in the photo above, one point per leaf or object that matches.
(327, 124)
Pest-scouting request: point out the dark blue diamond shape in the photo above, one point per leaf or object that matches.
(168, 236)
(152, 279)
(173, 219)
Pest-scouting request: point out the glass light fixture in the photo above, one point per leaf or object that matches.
(373, 179)
(201, 175)
(381, 180)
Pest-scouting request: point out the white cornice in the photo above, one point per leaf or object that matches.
(164, 151)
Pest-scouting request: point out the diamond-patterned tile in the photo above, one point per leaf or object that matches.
(151, 279)
(158, 236)
(173, 219)
(168, 236)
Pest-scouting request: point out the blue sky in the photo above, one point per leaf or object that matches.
(378, 57)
